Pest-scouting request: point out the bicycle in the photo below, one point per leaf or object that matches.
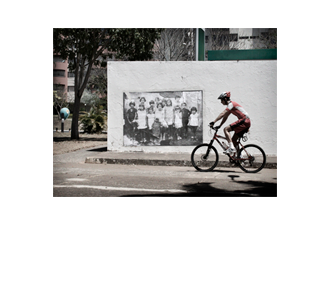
(250, 158)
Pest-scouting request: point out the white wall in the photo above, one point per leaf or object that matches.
(253, 84)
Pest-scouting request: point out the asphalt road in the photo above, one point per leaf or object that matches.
(74, 178)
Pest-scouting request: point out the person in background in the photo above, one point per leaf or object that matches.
(142, 122)
(156, 130)
(164, 101)
(169, 117)
(151, 106)
(177, 101)
(157, 101)
(142, 101)
(150, 121)
(160, 115)
(185, 114)
(194, 122)
(177, 122)
(131, 118)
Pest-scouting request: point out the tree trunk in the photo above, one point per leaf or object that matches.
(75, 118)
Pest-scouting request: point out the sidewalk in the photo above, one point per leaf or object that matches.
(157, 159)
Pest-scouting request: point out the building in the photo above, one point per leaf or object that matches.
(63, 80)
(239, 38)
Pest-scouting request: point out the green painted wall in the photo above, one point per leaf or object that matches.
(233, 55)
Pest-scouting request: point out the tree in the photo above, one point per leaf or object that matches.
(97, 82)
(85, 48)
(269, 38)
(219, 38)
(175, 44)
(97, 85)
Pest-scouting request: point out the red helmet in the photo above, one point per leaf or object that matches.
(224, 95)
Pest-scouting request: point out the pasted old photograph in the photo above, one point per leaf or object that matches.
(171, 118)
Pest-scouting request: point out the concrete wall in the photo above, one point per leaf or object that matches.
(253, 84)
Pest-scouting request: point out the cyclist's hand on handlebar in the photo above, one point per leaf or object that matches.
(211, 125)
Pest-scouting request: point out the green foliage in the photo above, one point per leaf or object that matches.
(90, 98)
(135, 44)
(94, 45)
(59, 101)
(88, 47)
(94, 121)
(98, 81)
(97, 84)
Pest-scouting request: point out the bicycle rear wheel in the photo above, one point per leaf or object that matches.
(204, 157)
(251, 158)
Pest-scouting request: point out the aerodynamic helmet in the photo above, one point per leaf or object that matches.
(224, 95)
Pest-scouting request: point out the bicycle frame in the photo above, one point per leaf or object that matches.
(216, 137)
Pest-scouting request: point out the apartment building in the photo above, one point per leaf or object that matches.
(63, 80)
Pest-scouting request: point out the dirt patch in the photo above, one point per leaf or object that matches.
(62, 142)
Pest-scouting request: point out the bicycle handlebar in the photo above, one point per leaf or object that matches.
(215, 128)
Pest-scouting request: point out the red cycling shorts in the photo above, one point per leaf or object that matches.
(241, 126)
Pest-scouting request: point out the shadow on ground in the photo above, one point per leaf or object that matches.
(205, 189)
(100, 149)
(225, 171)
(84, 138)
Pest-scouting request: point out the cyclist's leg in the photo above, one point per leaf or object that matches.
(231, 145)
(239, 132)
(226, 131)
(240, 127)
(235, 141)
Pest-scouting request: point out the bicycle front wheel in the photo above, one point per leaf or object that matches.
(204, 157)
(251, 158)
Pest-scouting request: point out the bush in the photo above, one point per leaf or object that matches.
(94, 121)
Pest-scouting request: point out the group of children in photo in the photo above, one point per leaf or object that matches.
(160, 120)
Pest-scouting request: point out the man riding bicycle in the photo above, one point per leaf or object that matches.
(240, 127)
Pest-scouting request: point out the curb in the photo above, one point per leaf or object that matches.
(158, 162)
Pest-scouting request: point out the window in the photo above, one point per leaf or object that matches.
(70, 74)
(233, 37)
(244, 37)
(254, 37)
(59, 73)
(59, 87)
(70, 89)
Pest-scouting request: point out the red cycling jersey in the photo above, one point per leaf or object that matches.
(237, 110)
(243, 124)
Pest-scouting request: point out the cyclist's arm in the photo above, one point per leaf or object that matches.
(224, 115)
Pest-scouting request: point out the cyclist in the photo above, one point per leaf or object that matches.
(240, 127)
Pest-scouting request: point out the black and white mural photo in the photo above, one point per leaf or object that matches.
(169, 118)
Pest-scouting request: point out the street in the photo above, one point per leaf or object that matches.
(74, 178)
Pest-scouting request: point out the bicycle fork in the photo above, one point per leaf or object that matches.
(209, 149)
